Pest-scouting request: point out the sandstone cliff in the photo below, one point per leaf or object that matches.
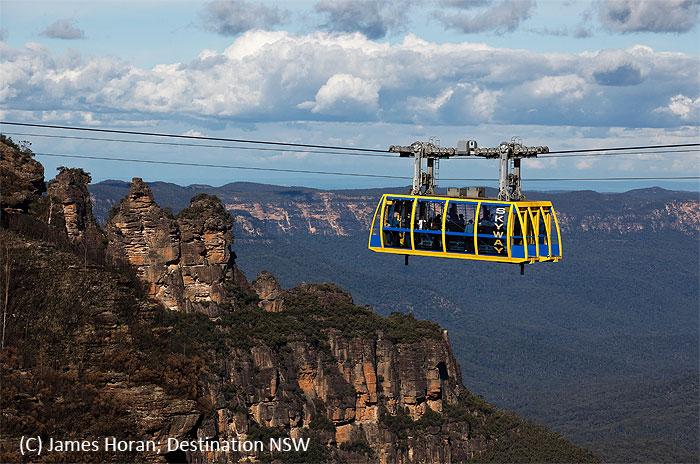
(270, 212)
(182, 259)
(70, 191)
(201, 353)
(21, 176)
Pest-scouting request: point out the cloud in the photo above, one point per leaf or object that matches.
(232, 17)
(566, 88)
(683, 107)
(464, 103)
(624, 74)
(343, 94)
(65, 29)
(466, 4)
(628, 16)
(268, 76)
(582, 32)
(555, 32)
(373, 18)
(498, 16)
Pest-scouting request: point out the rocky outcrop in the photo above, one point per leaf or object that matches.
(205, 239)
(91, 356)
(21, 177)
(70, 191)
(362, 388)
(269, 291)
(182, 259)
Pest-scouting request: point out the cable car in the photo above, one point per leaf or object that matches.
(464, 228)
(462, 225)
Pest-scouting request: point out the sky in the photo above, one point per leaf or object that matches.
(562, 73)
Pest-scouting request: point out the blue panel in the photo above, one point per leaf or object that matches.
(425, 231)
(531, 250)
(460, 234)
(544, 250)
(396, 229)
(517, 251)
(376, 241)
(555, 250)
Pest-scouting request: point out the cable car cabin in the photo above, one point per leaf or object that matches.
(465, 228)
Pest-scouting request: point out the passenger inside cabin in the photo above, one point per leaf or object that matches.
(395, 219)
(460, 223)
(486, 223)
(469, 228)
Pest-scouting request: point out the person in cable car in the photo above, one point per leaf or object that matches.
(486, 223)
(469, 228)
(460, 223)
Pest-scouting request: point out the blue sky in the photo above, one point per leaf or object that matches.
(567, 74)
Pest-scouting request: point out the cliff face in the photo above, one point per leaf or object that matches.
(21, 177)
(360, 387)
(203, 354)
(269, 212)
(70, 190)
(182, 259)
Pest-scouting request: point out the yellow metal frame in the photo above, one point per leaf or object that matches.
(531, 209)
(556, 223)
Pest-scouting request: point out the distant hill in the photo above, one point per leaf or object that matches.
(276, 211)
(590, 346)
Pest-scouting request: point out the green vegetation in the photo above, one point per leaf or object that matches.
(402, 425)
(23, 146)
(358, 447)
(322, 423)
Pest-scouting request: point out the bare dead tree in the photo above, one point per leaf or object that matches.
(6, 298)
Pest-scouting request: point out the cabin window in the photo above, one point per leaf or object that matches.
(543, 231)
(397, 223)
(374, 240)
(427, 224)
(492, 229)
(553, 236)
(459, 227)
(517, 246)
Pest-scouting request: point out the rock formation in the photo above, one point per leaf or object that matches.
(269, 291)
(91, 356)
(21, 177)
(182, 259)
(70, 190)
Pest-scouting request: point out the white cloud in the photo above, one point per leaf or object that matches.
(65, 29)
(343, 93)
(463, 103)
(683, 107)
(661, 16)
(569, 87)
(280, 76)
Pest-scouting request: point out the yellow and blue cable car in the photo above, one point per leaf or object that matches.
(509, 229)
(478, 229)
